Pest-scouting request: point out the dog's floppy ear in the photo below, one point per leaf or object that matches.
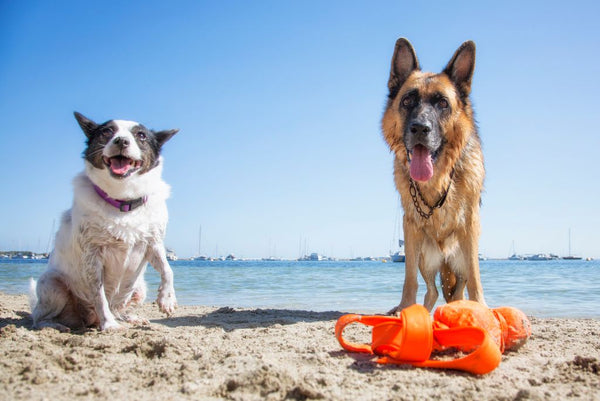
(461, 66)
(164, 136)
(404, 62)
(87, 125)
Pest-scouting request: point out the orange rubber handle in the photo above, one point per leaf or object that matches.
(367, 320)
(484, 359)
(409, 340)
(409, 336)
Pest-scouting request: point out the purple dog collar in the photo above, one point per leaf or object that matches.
(124, 206)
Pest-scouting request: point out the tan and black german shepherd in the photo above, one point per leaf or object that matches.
(438, 169)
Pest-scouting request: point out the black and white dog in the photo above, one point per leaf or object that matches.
(115, 227)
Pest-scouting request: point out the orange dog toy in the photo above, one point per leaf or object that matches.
(465, 325)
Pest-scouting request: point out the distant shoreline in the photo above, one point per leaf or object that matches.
(28, 255)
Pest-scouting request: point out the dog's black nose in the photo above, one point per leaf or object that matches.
(122, 142)
(420, 129)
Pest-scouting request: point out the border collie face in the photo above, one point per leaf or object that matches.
(123, 148)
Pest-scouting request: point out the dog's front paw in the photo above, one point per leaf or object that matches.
(394, 311)
(109, 326)
(136, 320)
(167, 303)
(398, 309)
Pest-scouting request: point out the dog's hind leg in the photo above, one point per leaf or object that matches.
(51, 307)
(140, 289)
(453, 284)
(448, 281)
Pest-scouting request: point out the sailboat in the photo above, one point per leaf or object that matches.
(571, 257)
(514, 255)
(200, 256)
(399, 256)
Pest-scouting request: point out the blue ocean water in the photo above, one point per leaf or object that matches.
(557, 288)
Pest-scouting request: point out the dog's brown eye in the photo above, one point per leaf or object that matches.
(443, 103)
(141, 136)
(408, 101)
(107, 132)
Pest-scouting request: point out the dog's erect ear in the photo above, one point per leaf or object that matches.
(461, 66)
(164, 136)
(404, 62)
(87, 125)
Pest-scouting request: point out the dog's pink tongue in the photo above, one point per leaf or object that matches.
(120, 165)
(421, 165)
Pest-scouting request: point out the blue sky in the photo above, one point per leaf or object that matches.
(279, 106)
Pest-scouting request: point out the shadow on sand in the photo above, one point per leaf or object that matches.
(232, 319)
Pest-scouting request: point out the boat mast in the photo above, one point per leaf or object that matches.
(200, 241)
(51, 237)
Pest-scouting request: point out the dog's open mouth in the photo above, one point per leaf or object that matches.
(121, 166)
(421, 163)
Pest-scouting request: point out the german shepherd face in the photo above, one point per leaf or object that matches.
(428, 116)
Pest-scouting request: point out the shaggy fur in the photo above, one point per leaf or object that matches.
(95, 272)
(429, 126)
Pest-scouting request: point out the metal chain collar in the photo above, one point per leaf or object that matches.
(414, 190)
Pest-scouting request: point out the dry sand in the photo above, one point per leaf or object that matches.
(205, 353)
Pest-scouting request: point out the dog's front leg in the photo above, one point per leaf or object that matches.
(474, 287)
(106, 317)
(409, 289)
(94, 272)
(412, 252)
(429, 273)
(166, 293)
